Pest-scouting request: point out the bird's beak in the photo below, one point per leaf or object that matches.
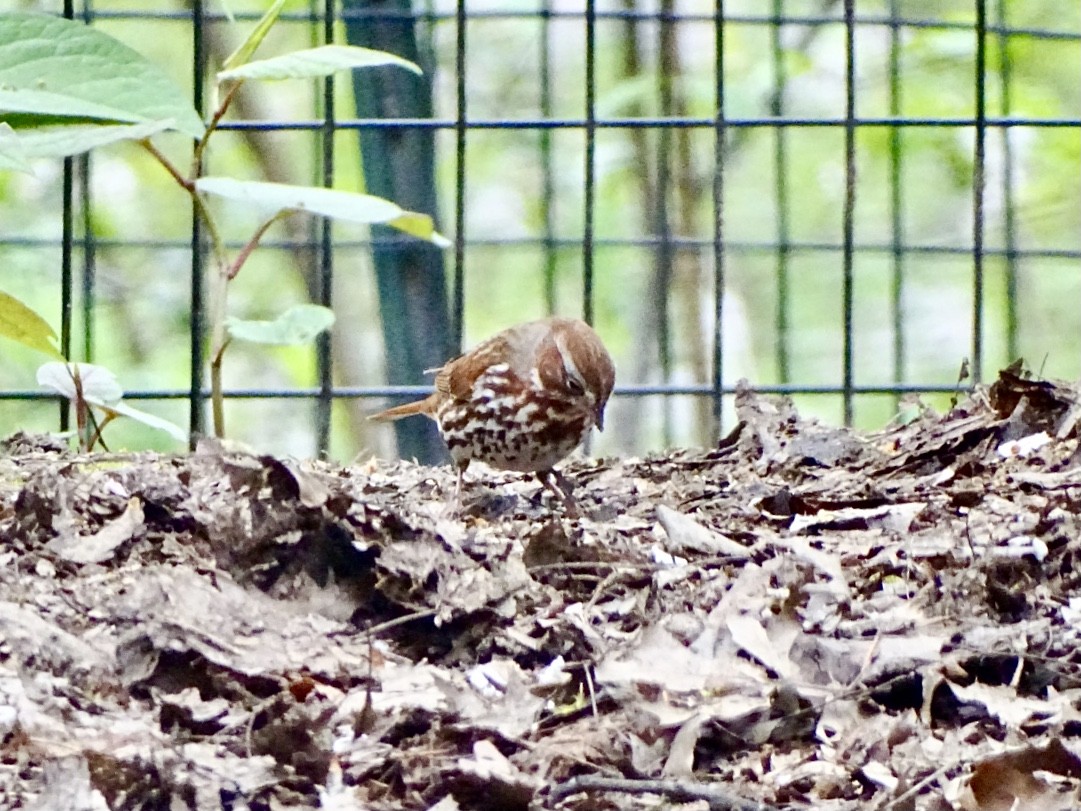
(600, 417)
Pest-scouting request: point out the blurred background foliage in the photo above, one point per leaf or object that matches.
(784, 189)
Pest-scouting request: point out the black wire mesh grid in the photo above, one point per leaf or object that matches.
(989, 25)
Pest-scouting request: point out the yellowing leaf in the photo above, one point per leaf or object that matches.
(341, 205)
(20, 323)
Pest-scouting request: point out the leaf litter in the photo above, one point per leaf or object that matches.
(800, 617)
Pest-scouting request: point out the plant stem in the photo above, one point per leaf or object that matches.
(219, 338)
(217, 400)
(219, 113)
(253, 243)
(220, 276)
(220, 282)
(99, 427)
(216, 242)
(186, 183)
(80, 408)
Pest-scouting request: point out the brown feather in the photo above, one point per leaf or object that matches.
(426, 406)
(459, 375)
(521, 400)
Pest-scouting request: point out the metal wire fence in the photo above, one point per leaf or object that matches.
(791, 152)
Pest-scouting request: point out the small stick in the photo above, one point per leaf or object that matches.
(676, 790)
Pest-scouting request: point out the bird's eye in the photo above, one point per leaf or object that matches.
(575, 386)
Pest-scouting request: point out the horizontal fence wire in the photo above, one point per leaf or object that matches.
(392, 392)
(429, 16)
(565, 243)
(716, 247)
(646, 123)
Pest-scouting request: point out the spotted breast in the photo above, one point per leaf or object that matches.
(523, 399)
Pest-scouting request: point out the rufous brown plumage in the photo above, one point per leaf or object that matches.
(521, 400)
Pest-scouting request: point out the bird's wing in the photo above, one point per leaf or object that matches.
(458, 377)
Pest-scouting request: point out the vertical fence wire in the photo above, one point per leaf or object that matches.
(590, 167)
(719, 133)
(323, 346)
(978, 165)
(460, 124)
(88, 242)
(66, 239)
(780, 185)
(547, 170)
(665, 252)
(849, 207)
(897, 228)
(196, 411)
(1008, 212)
(89, 248)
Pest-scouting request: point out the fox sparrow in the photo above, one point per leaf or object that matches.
(522, 400)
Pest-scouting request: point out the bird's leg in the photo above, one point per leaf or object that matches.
(456, 502)
(559, 484)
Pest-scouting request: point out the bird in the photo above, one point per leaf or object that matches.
(522, 400)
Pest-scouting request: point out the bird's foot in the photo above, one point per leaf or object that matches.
(561, 487)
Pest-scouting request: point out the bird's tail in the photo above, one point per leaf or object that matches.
(424, 406)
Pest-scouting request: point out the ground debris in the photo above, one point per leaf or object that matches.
(800, 617)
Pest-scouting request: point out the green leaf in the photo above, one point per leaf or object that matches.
(56, 67)
(73, 139)
(316, 62)
(98, 384)
(340, 205)
(124, 410)
(20, 323)
(12, 153)
(243, 53)
(297, 325)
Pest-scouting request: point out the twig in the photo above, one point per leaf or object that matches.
(676, 790)
(386, 626)
(253, 243)
(580, 565)
(188, 184)
(200, 148)
(184, 182)
(592, 692)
